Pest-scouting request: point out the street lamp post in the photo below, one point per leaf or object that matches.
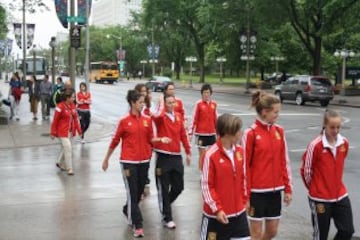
(221, 60)
(34, 60)
(344, 54)
(191, 59)
(248, 46)
(52, 44)
(87, 44)
(143, 62)
(277, 59)
(120, 42)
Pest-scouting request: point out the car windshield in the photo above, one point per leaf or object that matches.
(321, 82)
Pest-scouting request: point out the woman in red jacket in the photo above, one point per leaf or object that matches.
(322, 171)
(169, 165)
(223, 184)
(268, 167)
(136, 133)
(64, 126)
(83, 101)
(204, 121)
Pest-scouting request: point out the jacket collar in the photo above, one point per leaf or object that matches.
(339, 141)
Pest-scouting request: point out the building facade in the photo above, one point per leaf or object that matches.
(113, 12)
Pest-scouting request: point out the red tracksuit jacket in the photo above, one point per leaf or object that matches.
(136, 133)
(204, 118)
(175, 130)
(65, 121)
(223, 185)
(322, 172)
(83, 100)
(267, 158)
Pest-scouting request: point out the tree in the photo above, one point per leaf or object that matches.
(314, 19)
(185, 14)
(3, 27)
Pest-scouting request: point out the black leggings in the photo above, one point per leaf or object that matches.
(84, 117)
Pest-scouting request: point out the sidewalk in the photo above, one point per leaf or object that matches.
(28, 133)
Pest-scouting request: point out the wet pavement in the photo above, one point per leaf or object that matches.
(40, 202)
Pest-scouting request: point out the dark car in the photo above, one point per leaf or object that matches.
(157, 83)
(304, 88)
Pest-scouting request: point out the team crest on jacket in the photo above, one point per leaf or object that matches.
(320, 208)
(211, 236)
(342, 148)
(146, 123)
(277, 135)
(238, 156)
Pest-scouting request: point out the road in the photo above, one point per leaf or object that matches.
(302, 124)
(39, 202)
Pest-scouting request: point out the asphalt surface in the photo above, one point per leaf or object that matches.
(40, 202)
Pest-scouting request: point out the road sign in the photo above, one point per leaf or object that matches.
(75, 33)
(73, 19)
(121, 65)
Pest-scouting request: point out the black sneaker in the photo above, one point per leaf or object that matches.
(125, 211)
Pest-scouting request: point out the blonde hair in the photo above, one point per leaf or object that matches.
(261, 100)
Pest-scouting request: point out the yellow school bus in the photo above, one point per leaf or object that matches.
(102, 71)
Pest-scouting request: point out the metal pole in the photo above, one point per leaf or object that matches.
(221, 80)
(191, 85)
(343, 72)
(24, 43)
(152, 50)
(87, 47)
(7, 63)
(143, 72)
(71, 49)
(53, 64)
(248, 52)
(34, 61)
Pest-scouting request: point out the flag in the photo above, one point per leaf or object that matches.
(82, 10)
(17, 34)
(30, 32)
(61, 7)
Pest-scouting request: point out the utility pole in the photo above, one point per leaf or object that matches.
(152, 51)
(87, 45)
(71, 49)
(24, 43)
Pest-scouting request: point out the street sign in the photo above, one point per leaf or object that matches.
(75, 33)
(74, 19)
(121, 65)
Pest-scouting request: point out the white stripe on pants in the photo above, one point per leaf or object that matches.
(66, 152)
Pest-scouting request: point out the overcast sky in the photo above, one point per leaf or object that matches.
(46, 24)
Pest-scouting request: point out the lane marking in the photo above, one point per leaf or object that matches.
(281, 114)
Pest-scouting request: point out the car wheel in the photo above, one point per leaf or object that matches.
(278, 94)
(324, 103)
(299, 99)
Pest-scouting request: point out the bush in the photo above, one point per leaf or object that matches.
(167, 72)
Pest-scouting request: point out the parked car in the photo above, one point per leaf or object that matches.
(304, 88)
(157, 83)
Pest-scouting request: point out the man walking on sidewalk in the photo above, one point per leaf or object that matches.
(45, 96)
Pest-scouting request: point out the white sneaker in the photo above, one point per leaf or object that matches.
(170, 224)
(83, 141)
